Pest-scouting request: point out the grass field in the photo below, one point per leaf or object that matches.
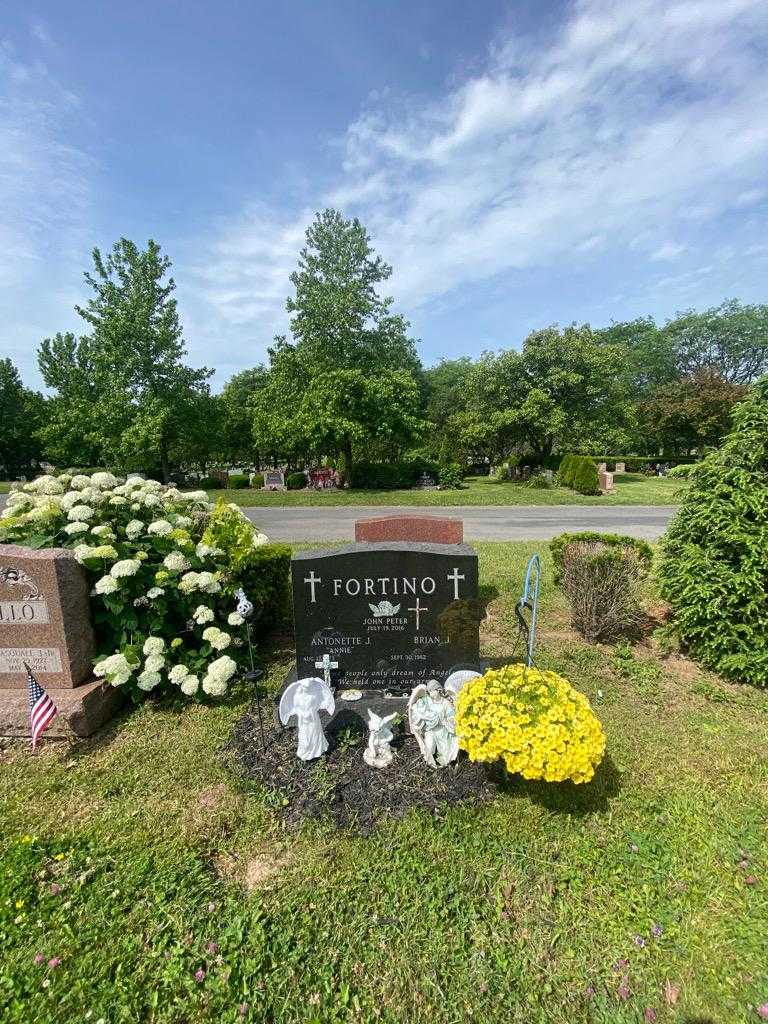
(5, 486)
(631, 489)
(170, 891)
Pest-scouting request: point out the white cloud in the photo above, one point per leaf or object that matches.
(637, 121)
(45, 202)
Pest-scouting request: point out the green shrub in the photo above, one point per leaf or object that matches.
(414, 465)
(585, 478)
(565, 472)
(602, 576)
(257, 480)
(681, 472)
(450, 476)
(295, 481)
(714, 570)
(164, 566)
(558, 546)
(538, 482)
(377, 476)
(210, 483)
(237, 481)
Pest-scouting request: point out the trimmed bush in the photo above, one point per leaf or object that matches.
(377, 476)
(558, 546)
(450, 476)
(602, 576)
(295, 481)
(211, 483)
(585, 478)
(257, 480)
(237, 481)
(714, 570)
(565, 472)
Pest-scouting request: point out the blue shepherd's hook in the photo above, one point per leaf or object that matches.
(530, 600)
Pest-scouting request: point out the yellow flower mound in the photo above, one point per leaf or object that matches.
(535, 721)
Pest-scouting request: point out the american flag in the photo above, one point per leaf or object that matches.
(42, 710)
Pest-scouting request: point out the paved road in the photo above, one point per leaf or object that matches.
(510, 522)
(481, 522)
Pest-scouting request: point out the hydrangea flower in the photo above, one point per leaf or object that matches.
(126, 567)
(79, 481)
(81, 512)
(148, 680)
(105, 531)
(217, 638)
(213, 686)
(160, 528)
(176, 562)
(106, 585)
(178, 674)
(154, 592)
(104, 481)
(116, 669)
(202, 614)
(75, 528)
(134, 529)
(190, 685)
(154, 663)
(153, 645)
(235, 619)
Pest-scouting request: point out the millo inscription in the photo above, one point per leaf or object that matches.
(17, 613)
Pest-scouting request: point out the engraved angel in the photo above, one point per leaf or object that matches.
(384, 608)
(432, 718)
(305, 699)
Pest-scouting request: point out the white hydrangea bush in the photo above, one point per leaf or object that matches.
(163, 564)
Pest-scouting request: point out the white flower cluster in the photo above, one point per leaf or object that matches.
(143, 542)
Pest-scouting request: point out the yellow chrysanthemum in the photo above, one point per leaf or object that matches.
(534, 721)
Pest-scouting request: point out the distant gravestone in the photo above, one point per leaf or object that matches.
(274, 480)
(427, 529)
(392, 614)
(605, 481)
(620, 467)
(45, 622)
(602, 467)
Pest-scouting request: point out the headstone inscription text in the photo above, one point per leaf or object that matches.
(391, 614)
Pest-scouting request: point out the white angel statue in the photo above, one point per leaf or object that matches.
(456, 680)
(432, 718)
(305, 699)
(378, 753)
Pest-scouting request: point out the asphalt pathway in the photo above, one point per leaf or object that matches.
(481, 522)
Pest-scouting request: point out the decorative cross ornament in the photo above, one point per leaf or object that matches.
(419, 608)
(326, 665)
(454, 578)
(312, 580)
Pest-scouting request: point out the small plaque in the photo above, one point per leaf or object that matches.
(39, 659)
(20, 613)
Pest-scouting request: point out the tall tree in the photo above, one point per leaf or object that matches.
(144, 401)
(21, 411)
(349, 376)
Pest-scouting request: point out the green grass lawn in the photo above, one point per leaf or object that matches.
(139, 858)
(5, 486)
(631, 489)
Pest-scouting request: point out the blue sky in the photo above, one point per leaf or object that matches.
(519, 164)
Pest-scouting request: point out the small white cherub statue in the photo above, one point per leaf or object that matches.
(432, 718)
(305, 699)
(378, 753)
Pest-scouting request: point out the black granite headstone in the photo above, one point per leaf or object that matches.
(391, 614)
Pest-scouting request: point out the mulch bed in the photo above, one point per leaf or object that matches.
(340, 786)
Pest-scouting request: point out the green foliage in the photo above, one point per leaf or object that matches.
(257, 480)
(377, 476)
(450, 476)
(566, 470)
(122, 395)
(538, 482)
(295, 481)
(585, 478)
(238, 481)
(211, 483)
(714, 571)
(21, 414)
(164, 565)
(682, 472)
(559, 545)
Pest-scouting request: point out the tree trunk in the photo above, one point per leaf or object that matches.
(348, 461)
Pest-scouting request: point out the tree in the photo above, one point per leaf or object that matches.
(693, 412)
(20, 415)
(714, 570)
(349, 377)
(566, 389)
(123, 395)
(729, 341)
(236, 403)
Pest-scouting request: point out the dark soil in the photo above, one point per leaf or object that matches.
(340, 786)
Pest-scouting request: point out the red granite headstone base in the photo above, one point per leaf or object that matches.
(425, 529)
(82, 710)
